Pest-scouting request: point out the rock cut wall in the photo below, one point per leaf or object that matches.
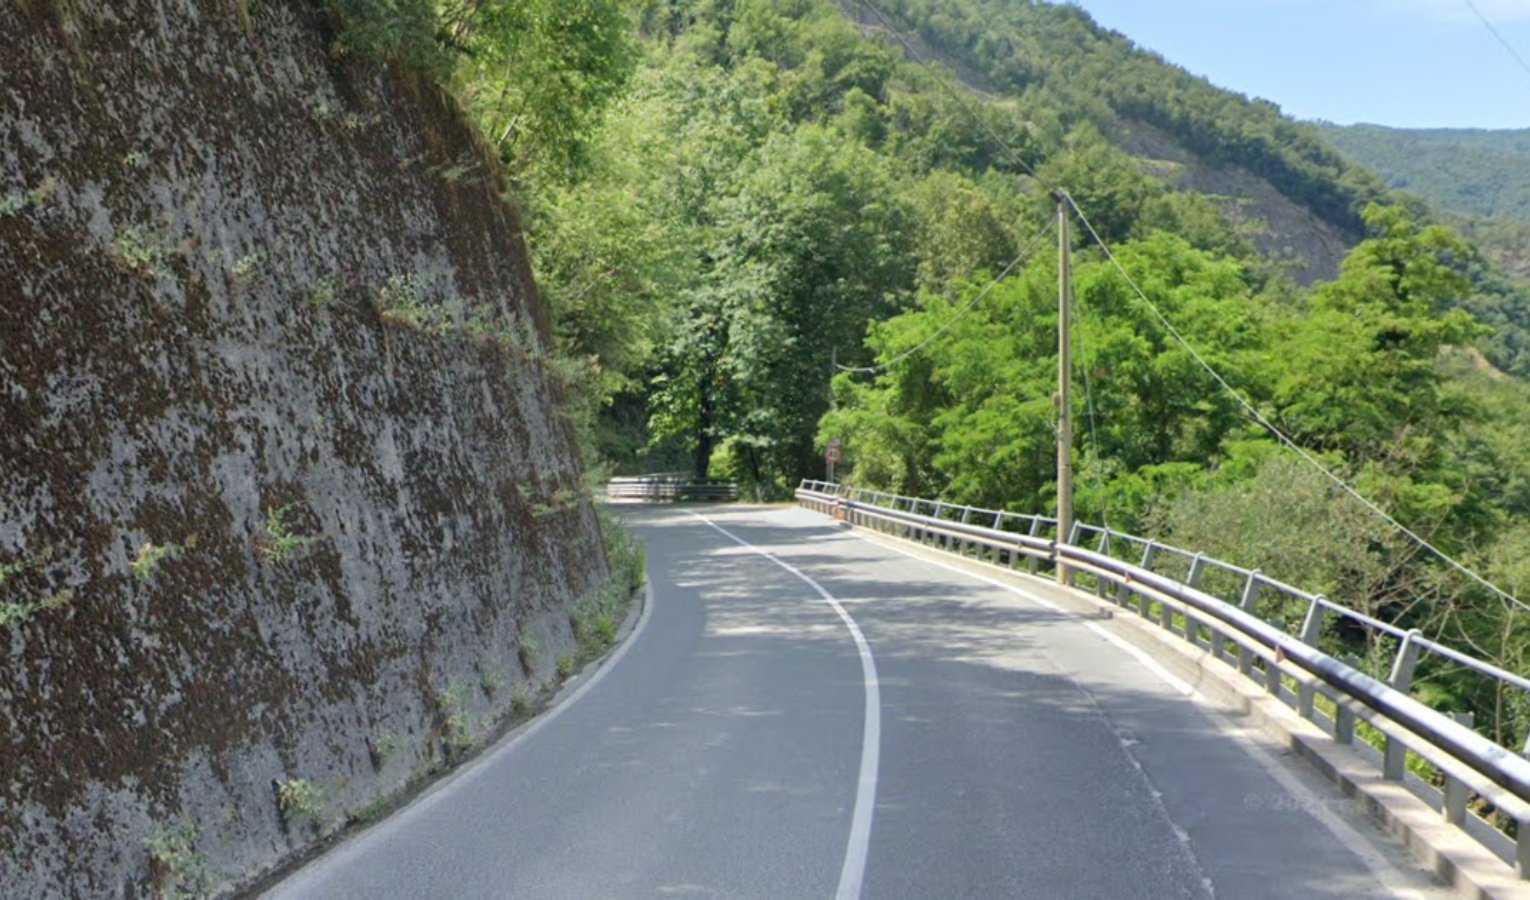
(287, 506)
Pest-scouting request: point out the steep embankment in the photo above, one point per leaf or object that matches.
(289, 511)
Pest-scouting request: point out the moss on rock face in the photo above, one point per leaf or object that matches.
(179, 184)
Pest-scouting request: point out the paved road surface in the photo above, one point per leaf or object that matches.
(1015, 752)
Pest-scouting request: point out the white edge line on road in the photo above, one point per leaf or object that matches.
(853, 873)
(1396, 883)
(294, 884)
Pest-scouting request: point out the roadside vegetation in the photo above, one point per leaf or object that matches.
(731, 201)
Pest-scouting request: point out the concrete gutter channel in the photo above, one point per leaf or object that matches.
(1461, 861)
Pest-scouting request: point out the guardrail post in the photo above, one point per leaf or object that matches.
(963, 546)
(998, 525)
(1035, 527)
(1100, 583)
(1396, 755)
(1343, 724)
(1522, 848)
(1072, 574)
(1192, 627)
(1312, 630)
(1456, 791)
(1343, 717)
(1197, 569)
(1123, 593)
(1249, 603)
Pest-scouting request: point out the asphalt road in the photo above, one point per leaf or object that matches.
(1008, 749)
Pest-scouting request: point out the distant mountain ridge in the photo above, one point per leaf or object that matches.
(1474, 172)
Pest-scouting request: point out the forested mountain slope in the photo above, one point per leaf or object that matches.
(784, 192)
(1256, 164)
(756, 225)
(1472, 172)
(1479, 180)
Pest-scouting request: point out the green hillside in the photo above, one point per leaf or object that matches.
(728, 201)
(1465, 171)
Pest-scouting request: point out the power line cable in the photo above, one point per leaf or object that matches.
(1497, 34)
(967, 308)
(1273, 429)
(1254, 413)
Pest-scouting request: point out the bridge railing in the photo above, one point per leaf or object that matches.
(1266, 629)
(672, 487)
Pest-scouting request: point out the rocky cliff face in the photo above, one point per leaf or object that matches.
(1309, 249)
(287, 508)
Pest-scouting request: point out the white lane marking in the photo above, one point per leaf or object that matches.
(853, 873)
(297, 884)
(1396, 883)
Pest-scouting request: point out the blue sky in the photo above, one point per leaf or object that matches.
(1407, 63)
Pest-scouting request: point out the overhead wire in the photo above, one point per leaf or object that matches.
(970, 305)
(1493, 29)
(1163, 320)
(1273, 429)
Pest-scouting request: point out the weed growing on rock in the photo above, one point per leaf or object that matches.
(150, 555)
(248, 267)
(280, 542)
(492, 682)
(520, 702)
(16, 613)
(566, 664)
(453, 173)
(175, 866)
(387, 745)
(596, 616)
(401, 302)
(299, 800)
(323, 293)
(529, 650)
(12, 614)
(17, 202)
(457, 725)
(370, 812)
(138, 250)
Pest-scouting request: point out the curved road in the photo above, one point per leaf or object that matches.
(806, 713)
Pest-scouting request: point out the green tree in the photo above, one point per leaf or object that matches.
(537, 73)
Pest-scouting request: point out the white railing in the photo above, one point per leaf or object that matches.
(1256, 630)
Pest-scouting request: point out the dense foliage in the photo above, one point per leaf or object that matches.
(1474, 172)
(732, 200)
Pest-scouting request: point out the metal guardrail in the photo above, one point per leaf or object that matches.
(672, 487)
(1274, 653)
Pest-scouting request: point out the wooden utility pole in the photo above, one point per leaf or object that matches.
(1064, 383)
